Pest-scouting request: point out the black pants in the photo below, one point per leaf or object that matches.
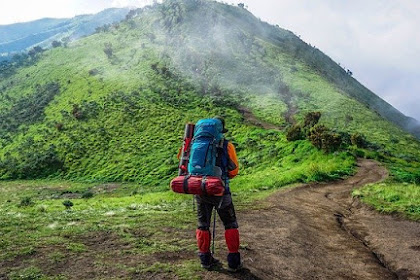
(224, 207)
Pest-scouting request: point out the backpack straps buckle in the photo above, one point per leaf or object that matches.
(203, 185)
(185, 183)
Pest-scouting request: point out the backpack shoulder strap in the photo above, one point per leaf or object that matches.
(225, 157)
(225, 163)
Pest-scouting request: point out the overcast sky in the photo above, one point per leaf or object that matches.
(378, 40)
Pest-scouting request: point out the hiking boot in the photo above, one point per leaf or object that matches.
(207, 260)
(234, 262)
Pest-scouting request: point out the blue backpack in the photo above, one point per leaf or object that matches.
(207, 137)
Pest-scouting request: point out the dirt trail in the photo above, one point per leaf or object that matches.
(320, 232)
(249, 117)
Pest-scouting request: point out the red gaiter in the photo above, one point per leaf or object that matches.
(203, 240)
(232, 240)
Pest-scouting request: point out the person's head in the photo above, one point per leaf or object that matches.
(223, 122)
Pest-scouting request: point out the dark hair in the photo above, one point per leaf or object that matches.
(220, 118)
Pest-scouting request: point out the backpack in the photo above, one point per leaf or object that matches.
(204, 148)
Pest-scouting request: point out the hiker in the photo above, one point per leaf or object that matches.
(226, 155)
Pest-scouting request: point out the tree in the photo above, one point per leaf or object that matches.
(56, 44)
(131, 14)
(38, 49)
(35, 50)
(108, 50)
(77, 112)
(66, 41)
(241, 5)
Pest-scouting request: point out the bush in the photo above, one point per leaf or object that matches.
(359, 140)
(295, 133)
(87, 194)
(324, 139)
(68, 204)
(317, 135)
(333, 142)
(311, 119)
(59, 126)
(93, 72)
(77, 112)
(56, 44)
(26, 201)
(108, 50)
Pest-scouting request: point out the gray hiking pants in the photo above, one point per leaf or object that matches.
(226, 211)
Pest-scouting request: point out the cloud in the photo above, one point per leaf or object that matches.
(132, 3)
(376, 39)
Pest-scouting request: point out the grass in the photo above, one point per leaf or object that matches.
(140, 221)
(124, 122)
(391, 198)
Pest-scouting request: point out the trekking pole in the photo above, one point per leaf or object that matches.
(214, 231)
(214, 225)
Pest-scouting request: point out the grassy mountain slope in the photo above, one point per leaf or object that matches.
(21, 36)
(112, 106)
(254, 41)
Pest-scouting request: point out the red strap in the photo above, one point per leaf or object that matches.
(187, 144)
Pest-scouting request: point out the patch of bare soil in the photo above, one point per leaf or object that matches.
(249, 117)
(106, 188)
(320, 232)
(107, 256)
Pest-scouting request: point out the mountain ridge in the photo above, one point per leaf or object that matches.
(21, 36)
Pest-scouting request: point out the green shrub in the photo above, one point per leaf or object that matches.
(324, 139)
(26, 201)
(311, 119)
(295, 133)
(87, 194)
(68, 204)
(359, 140)
(317, 135)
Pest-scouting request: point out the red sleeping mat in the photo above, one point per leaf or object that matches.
(208, 185)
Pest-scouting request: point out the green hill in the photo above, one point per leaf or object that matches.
(96, 125)
(112, 106)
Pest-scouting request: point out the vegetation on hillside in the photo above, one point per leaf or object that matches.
(111, 107)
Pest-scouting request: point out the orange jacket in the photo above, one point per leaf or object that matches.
(233, 165)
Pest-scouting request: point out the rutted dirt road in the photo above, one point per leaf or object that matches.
(320, 232)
